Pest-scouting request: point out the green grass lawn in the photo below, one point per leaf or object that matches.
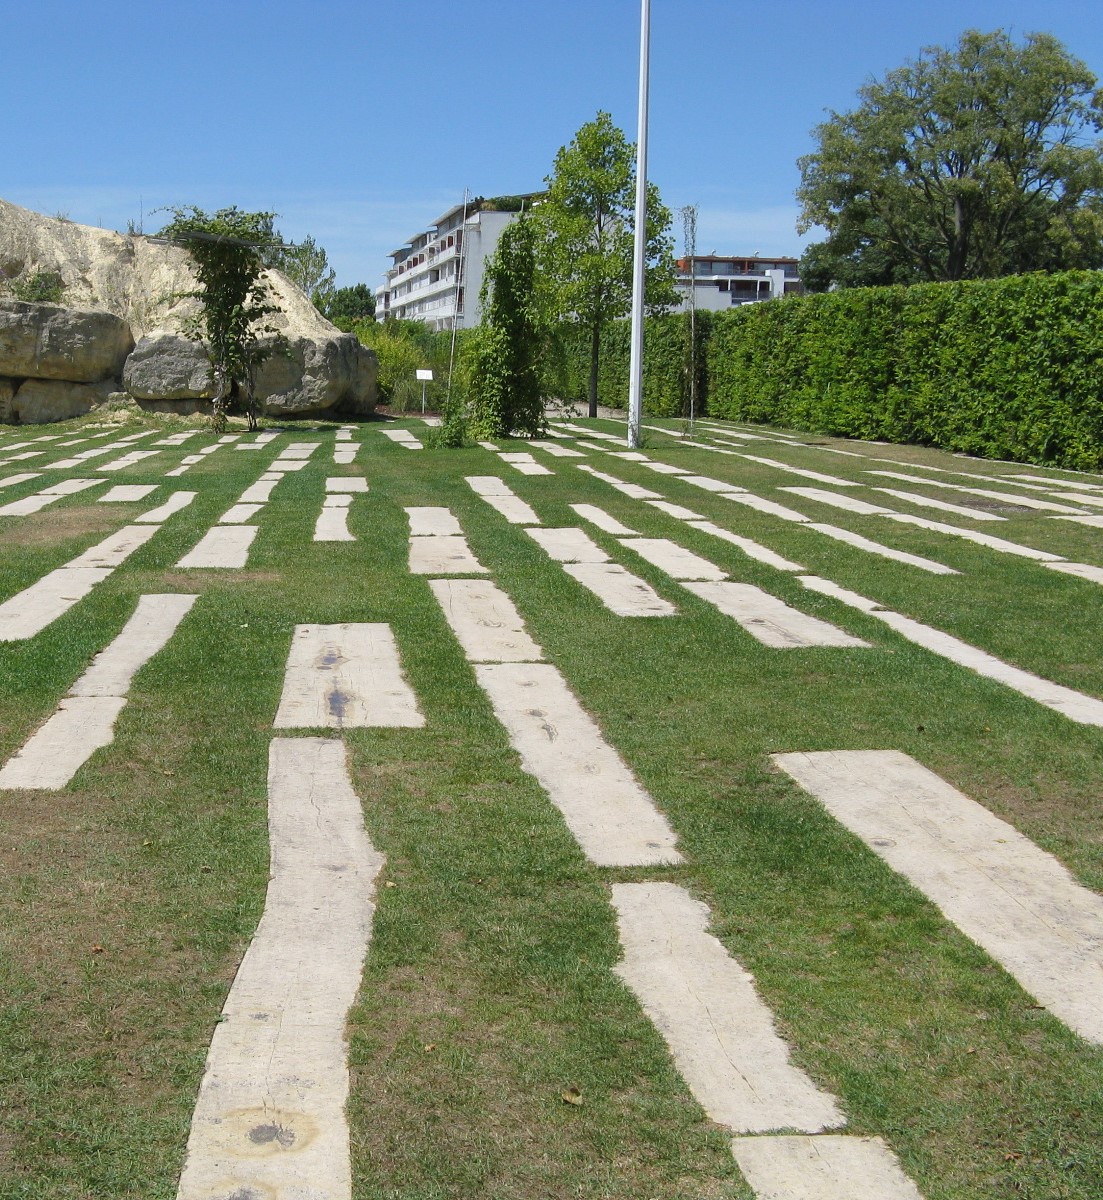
(129, 897)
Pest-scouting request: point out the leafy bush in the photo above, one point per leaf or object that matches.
(43, 287)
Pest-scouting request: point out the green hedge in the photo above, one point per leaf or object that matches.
(1006, 368)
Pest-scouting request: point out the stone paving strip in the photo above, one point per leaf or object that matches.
(238, 514)
(261, 440)
(85, 721)
(403, 438)
(346, 677)
(525, 463)
(498, 494)
(127, 460)
(632, 490)
(225, 547)
(1078, 707)
(770, 620)
(872, 547)
(432, 522)
(176, 439)
(610, 815)
(829, 1167)
(602, 520)
(127, 493)
(270, 1117)
(705, 1005)
(1014, 900)
(485, 621)
(961, 510)
(834, 480)
(175, 502)
(663, 468)
(1065, 483)
(622, 593)
(1015, 499)
(975, 535)
(557, 451)
(677, 562)
(78, 460)
(598, 435)
(333, 521)
(25, 477)
(48, 495)
(440, 553)
(708, 484)
(750, 548)
(1094, 522)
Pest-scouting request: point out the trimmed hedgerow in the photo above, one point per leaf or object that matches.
(1006, 368)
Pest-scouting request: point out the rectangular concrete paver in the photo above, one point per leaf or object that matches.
(270, 1116)
(155, 620)
(175, 502)
(333, 525)
(443, 556)
(432, 522)
(31, 610)
(613, 819)
(567, 545)
(705, 1005)
(675, 560)
(54, 754)
(619, 590)
(872, 547)
(127, 493)
(829, 1167)
(773, 622)
(485, 621)
(1013, 899)
(346, 677)
(752, 549)
(116, 548)
(600, 518)
(225, 546)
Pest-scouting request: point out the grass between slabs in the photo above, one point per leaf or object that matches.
(129, 897)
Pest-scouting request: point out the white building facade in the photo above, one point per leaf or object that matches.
(437, 275)
(720, 282)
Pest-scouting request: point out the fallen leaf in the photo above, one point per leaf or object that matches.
(98, 949)
(571, 1096)
(430, 1047)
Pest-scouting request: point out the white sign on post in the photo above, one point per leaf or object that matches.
(425, 377)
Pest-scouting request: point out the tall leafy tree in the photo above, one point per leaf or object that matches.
(307, 264)
(586, 223)
(227, 249)
(505, 394)
(346, 305)
(970, 162)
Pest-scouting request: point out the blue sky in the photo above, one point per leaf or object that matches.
(359, 123)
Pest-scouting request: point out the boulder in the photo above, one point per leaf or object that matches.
(146, 282)
(47, 341)
(7, 394)
(168, 366)
(39, 400)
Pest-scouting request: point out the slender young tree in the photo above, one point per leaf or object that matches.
(586, 223)
(969, 162)
(226, 248)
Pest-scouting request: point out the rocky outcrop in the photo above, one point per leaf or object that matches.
(47, 341)
(7, 395)
(41, 400)
(145, 282)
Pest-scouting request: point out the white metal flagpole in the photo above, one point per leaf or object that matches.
(635, 378)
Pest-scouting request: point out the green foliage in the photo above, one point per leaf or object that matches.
(43, 287)
(306, 264)
(348, 305)
(967, 163)
(586, 223)
(505, 394)
(403, 348)
(1007, 368)
(226, 248)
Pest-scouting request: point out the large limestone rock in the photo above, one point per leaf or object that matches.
(7, 394)
(47, 341)
(39, 400)
(145, 282)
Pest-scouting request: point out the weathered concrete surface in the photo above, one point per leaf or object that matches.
(485, 621)
(270, 1118)
(49, 341)
(834, 1167)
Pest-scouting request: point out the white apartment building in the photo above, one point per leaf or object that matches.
(719, 282)
(437, 275)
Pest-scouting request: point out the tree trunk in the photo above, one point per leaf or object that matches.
(595, 355)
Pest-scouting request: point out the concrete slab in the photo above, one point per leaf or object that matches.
(224, 546)
(961, 510)
(488, 485)
(1015, 499)
(283, 465)
(346, 677)
(708, 484)
(69, 487)
(848, 503)
(557, 451)
(175, 502)
(239, 514)
(432, 522)
(771, 620)
(116, 548)
(762, 505)
(532, 468)
(127, 493)
(31, 610)
(619, 590)
(24, 477)
(568, 545)
(270, 1117)
(678, 511)
(831, 1167)
(632, 490)
(333, 524)
(602, 519)
(613, 819)
(299, 450)
(27, 505)
(872, 547)
(347, 484)
(399, 435)
(751, 548)
(514, 509)
(485, 621)
(1085, 710)
(663, 468)
(1014, 900)
(975, 535)
(443, 556)
(154, 621)
(677, 562)
(706, 1007)
(52, 756)
(258, 493)
(1081, 570)
(791, 470)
